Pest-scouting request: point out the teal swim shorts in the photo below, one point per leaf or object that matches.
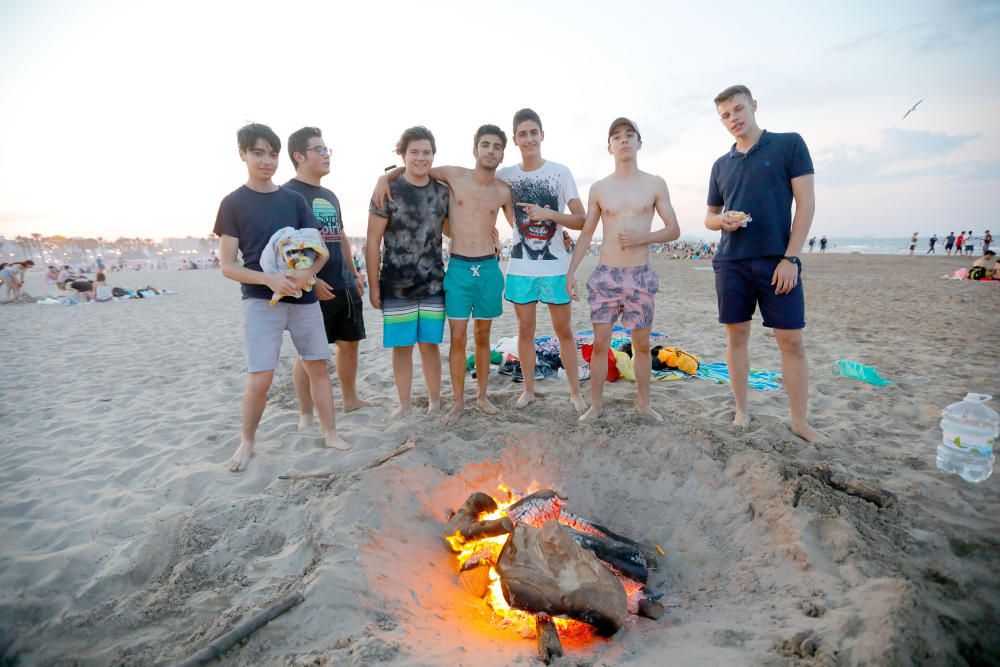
(473, 286)
(531, 289)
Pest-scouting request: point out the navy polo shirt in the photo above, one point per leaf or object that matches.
(759, 183)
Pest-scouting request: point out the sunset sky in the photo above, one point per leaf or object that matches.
(120, 118)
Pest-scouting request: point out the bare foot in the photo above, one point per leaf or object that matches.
(525, 399)
(741, 419)
(579, 404)
(486, 407)
(592, 413)
(241, 457)
(454, 414)
(399, 412)
(433, 405)
(356, 404)
(306, 422)
(808, 433)
(334, 441)
(649, 412)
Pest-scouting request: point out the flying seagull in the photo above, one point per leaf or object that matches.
(911, 110)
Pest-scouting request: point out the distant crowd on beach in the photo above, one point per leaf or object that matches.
(963, 243)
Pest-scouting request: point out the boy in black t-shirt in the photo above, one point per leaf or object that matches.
(338, 285)
(247, 219)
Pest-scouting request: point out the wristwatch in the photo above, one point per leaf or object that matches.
(793, 260)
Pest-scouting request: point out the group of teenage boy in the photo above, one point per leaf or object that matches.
(751, 191)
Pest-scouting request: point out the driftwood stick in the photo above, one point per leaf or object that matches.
(549, 645)
(402, 449)
(851, 485)
(242, 630)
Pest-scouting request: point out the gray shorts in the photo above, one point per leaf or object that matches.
(264, 325)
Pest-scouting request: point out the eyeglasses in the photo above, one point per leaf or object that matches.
(321, 151)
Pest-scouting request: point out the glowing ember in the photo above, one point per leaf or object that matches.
(504, 616)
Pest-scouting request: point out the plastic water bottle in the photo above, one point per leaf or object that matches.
(969, 430)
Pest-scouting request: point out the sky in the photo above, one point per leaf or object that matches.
(120, 118)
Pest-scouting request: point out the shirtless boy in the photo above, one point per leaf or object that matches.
(473, 284)
(539, 261)
(623, 282)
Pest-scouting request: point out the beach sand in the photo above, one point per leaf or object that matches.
(126, 541)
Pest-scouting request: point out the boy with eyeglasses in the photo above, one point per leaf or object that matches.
(338, 284)
(248, 218)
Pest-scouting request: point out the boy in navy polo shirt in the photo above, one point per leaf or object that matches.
(750, 196)
(247, 219)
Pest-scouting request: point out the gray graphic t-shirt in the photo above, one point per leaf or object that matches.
(412, 266)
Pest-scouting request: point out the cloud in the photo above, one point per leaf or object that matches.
(958, 26)
(902, 155)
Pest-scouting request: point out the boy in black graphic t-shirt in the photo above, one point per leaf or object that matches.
(338, 285)
(247, 219)
(406, 282)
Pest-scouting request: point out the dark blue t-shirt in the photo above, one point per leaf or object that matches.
(253, 217)
(759, 183)
(326, 209)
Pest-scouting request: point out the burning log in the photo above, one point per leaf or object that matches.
(625, 558)
(587, 526)
(549, 645)
(540, 506)
(536, 508)
(544, 570)
(474, 575)
(465, 522)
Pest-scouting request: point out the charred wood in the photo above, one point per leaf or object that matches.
(549, 645)
(536, 508)
(625, 558)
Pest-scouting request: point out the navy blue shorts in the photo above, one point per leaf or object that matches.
(743, 284)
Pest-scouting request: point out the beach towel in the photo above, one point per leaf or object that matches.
(619, 337)
(718, 372)
(290, 249)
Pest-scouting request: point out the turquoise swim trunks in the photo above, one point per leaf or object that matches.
(531, 289)
(406, 322)
(473, 286)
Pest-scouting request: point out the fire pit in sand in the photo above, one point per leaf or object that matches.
(547, 572)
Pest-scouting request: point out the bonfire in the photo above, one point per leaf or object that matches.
(546, 572)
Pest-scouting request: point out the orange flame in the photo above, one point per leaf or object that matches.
(505, 616)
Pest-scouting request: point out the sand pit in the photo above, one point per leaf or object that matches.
(126, 542)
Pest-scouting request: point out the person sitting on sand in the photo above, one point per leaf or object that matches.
(51, 275)
(406, 281)
(83, 288)
(623, 282)
(474, 281)
(984, 267)
(247, 219)
(757, 262)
